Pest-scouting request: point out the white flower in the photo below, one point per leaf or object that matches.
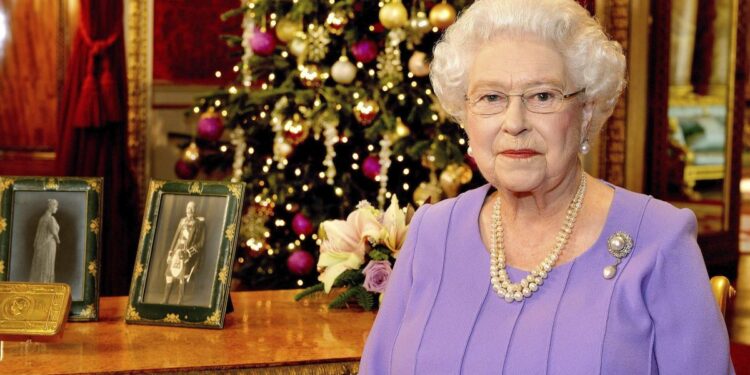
(344, 243)
(394, 227)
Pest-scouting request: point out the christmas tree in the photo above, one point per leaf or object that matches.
(332, 105)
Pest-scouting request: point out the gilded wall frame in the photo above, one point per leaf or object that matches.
(137, 50)
(75, 257)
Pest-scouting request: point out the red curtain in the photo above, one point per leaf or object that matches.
(93, 125)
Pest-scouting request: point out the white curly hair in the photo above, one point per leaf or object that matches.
(592, 60)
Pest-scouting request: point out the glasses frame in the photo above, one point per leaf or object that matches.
(523, 100)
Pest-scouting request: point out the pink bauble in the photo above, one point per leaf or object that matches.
(184, 170)
(301, 224)
(365, 50)
(371, 167)
(263, 42)
(300, 263)
(210, 127)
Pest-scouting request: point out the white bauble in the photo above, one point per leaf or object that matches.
(297, 47)
(343, 71)
(418, 64)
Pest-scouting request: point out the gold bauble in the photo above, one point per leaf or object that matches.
(464, 173)
(442, 15)
(286, 29)
(393, 15)
(418, 64)
(428, 160)
(453, 177)
(420, 23)
(191, 153)
(282, 149)
(401, 129)
(365, 111)
(296, 130)
(336, 21)
(426, 192)
(311, 76)
(449, 183)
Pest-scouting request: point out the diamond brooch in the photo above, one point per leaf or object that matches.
(619, 245)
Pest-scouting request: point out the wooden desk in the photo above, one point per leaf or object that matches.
(268, 333)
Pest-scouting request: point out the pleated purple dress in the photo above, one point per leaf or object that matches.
(656, 316)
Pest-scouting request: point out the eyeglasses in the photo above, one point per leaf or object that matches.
(538, 100)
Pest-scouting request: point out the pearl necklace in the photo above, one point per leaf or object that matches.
(526, 287)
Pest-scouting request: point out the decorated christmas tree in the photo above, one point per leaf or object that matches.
(332, 105)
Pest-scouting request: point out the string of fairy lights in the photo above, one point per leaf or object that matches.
(331, 105)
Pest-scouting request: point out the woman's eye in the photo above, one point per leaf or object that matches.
(491, 98)
(542, 96)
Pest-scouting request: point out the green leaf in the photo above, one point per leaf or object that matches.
(358, 293)
(349, 277)
(378, 255)
(232, 13)
(365, 299)
(309, 291)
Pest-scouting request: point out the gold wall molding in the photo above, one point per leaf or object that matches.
(138, 68)
(612, 153)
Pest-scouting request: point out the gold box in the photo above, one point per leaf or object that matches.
(35, 311)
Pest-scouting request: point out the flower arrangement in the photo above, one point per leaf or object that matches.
(358, 254)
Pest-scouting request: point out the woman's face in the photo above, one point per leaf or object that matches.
(53, 206)
(517, 149)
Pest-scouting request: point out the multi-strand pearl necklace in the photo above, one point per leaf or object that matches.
(526, 287)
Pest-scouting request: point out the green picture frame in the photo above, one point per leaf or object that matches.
(39, 243)
(183, 267)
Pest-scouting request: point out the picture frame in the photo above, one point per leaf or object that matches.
(50, 231)
(183, 266)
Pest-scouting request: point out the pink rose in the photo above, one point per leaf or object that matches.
(376, 275)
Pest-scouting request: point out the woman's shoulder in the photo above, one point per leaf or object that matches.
(656, 211)
(438, 214)
(470, 197)
(660, 224)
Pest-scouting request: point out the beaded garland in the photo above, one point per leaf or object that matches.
(517, 292)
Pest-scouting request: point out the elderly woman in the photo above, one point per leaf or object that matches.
(545, 269)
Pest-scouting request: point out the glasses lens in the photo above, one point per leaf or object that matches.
(489, 103)
(543, 100)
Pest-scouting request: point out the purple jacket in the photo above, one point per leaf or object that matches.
(656, 316)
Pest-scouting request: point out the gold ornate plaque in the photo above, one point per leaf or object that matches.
(35, 311)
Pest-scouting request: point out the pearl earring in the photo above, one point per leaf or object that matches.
(585, 146)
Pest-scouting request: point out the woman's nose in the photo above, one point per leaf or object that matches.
(514, 118)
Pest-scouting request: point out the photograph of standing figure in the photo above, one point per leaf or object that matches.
(45, 246)
(53, 235)
(184, 253)
(183, 266)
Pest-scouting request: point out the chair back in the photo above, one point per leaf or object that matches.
(723, 292)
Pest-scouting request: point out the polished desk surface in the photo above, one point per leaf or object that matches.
(266, 329)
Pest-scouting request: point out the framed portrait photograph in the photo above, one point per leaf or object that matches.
(50, 233)
(183, 267)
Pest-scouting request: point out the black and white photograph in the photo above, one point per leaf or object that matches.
(185, 251)
(183, 267)
(52, 235)
(48, 239)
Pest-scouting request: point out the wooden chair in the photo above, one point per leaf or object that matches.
(723, 292)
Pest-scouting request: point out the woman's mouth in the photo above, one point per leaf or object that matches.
(519, 154)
